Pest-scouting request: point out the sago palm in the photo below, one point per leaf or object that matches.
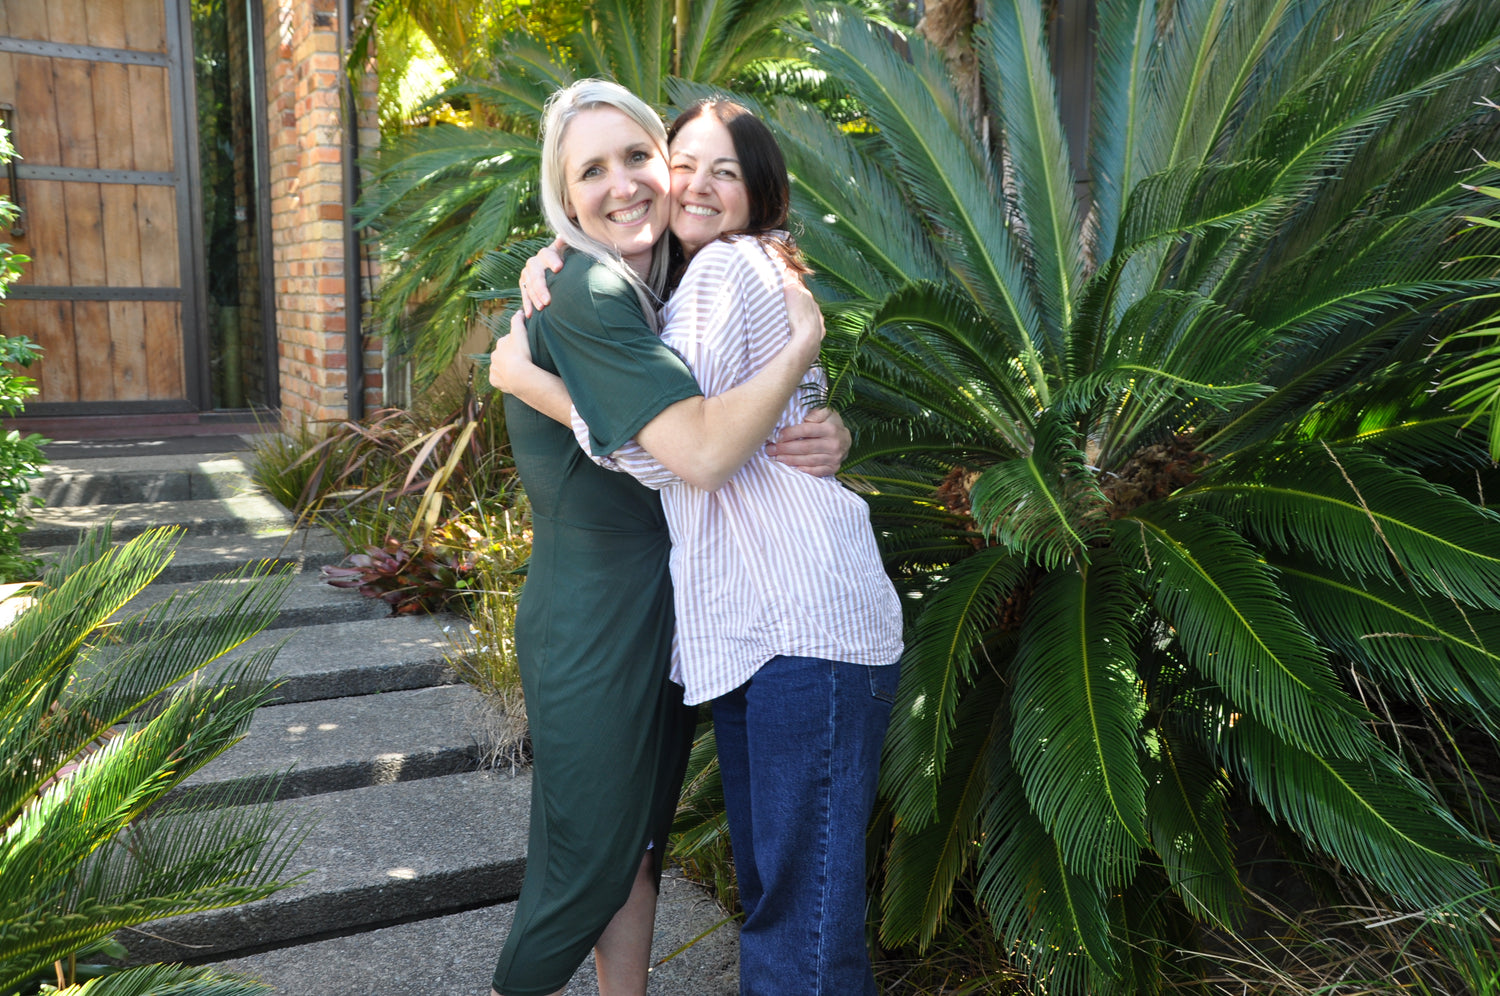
(444, 195)
(99, 725)
(1179, 512)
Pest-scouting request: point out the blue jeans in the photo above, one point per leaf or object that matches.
(799, 748)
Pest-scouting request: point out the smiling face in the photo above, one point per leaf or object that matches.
(709, 196)
(616, 183)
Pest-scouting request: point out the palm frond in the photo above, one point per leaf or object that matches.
(1234, 627)
(1076, 709)
(1185, 806)
(936, 153)
(1372, 815)
(1014, 60)
(945, 648)
(169, 980)
(1125, 38)
(1431, 647)
(1057, 922)
(1046, 505)
(926, 861)
(1350, 509)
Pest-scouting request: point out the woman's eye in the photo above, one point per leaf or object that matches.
(590, 173)
(639, 157)
(727, 174)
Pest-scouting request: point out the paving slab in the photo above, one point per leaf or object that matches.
(376, 855)
(253, 514)
(364, 657)
(455, 955)
(142, 479)
(309, 600)
(198, 558)
(346, 743)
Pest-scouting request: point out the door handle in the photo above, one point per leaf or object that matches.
(7, 118)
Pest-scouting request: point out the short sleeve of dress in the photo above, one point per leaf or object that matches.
(616, 368)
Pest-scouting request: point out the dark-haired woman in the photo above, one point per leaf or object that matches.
(786, 621)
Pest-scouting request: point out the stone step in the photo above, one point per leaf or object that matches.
(340, 659)
(251, 514)
(309, 601)
(375, 856)
(455, 955)
(335, 745)
(184, 477)
(199, 558)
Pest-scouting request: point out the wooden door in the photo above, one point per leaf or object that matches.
(97, 97)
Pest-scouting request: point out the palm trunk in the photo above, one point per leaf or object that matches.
(949, 25)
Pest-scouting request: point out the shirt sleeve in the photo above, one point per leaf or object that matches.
(631, 459)
(595, 336)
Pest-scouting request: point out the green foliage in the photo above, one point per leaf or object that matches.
(101, 722)
(1160, 466)
(21, 456)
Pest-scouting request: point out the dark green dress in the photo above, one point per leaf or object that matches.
(609, 732)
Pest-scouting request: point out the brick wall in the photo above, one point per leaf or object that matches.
(303, 97)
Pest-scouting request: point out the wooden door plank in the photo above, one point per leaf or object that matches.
(55, 372)
(122, 236)
(27, 19)
(73, 91)
(67, 22)
(164, 373)
(7, 74)
(85, 238)
(46, 240)
(157, 210)
(150, 117)
(36, 111)
(127, 333)
(146, 25)
(106, 23)
(93, 349)
(112, 116)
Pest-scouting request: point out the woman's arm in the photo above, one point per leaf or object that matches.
(512, 371)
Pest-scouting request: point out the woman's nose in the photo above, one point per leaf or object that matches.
(621, 183)
(698, 182)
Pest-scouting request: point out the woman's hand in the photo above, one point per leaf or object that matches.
(818, 446)
(534, 292)
(804, 316)
(510, 360)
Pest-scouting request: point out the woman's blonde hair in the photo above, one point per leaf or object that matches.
(562, 107)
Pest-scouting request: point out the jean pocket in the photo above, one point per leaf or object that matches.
(883, 681)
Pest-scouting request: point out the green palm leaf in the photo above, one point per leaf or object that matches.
(169, 980)
(1056, 921)
(1372, 815)
(1351, 510)
(1235, 627)
(1430, 646)
(922, 124)
(1013, 57)
(926, 861)
(1045, 506)
(944, 652)
(1076, 709)
(1185, 807)
(1124, 44)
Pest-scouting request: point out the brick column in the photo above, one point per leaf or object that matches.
(303, 98)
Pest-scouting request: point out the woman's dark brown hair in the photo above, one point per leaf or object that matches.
(762, 169)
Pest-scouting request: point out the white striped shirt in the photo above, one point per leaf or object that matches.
(776, 562)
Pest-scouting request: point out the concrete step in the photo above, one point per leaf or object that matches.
(455, 955)
(334, 660)
(309, 601)
(199, 558)
(251, 514)
(376, 856)
(184, 477)
(335, 745)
